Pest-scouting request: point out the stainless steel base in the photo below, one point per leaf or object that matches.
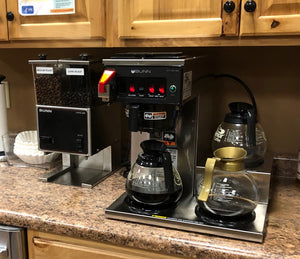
(81, 170)
(183, 216)
(83, 177)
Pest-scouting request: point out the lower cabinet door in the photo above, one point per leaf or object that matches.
(44, 245)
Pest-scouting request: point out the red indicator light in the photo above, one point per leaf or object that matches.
(151, 89)
(161, 89)
(131, 88)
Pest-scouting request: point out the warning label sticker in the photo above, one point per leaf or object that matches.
(46, 7)
(153, 116)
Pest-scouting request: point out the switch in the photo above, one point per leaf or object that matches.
(105, 78)
(172, 88)
(151, 89)
(79, 143)
(132, 88)
(161, 89)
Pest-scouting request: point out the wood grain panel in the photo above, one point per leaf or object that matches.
(231, 21)
(3, 22)
(88, 22)
(44, 245)
(169, 18)
(272, 17)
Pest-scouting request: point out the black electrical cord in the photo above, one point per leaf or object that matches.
(239, 81)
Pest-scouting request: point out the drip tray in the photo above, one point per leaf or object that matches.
(186, 215)
(83, 177)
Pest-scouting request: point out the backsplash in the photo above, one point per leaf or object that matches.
(272, 73)
(285, 165)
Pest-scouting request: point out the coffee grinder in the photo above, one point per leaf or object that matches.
(71, 120)
(160, 93)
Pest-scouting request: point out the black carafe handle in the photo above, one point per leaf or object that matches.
(133, 122)
(168, 171)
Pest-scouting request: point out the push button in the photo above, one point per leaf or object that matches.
(172, 89)
(151, 89)
(79, 143)
(161, 89)
(132, 88)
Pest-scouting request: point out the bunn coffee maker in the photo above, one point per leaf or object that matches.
(160, 102)
(71, 120)
(161, 96)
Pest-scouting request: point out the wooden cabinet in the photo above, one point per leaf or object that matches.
(154, 23)
(3, 23)
(270, 17)
(139, 19)
(88, 22)
(44, 245)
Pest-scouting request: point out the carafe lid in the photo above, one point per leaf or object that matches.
(239, 113)
(152, 154)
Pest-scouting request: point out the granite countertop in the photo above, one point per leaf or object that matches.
(79, 212)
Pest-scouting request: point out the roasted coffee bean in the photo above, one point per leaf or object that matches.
(48, 89)
(58, 91)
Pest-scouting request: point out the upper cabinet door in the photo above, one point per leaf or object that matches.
(88, 22)
(270, 17)
(3, 23)
(169, 18)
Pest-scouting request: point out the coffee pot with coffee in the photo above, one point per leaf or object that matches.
(153, 181)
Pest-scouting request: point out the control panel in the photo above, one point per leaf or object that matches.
(142, 84)
(63, 130)
(141, 87)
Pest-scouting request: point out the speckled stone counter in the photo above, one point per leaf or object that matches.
(25, 201)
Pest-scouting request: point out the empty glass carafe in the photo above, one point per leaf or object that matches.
(227, 189)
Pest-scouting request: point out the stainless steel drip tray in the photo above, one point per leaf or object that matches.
(184, 217)
(83, 177)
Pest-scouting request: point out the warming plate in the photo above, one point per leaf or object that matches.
(183, 216)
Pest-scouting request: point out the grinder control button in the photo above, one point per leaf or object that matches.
(79, 143)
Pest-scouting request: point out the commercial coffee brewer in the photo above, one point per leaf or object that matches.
(160, 94)
(72, 120)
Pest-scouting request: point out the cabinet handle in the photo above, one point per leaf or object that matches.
(10, 16)
(250, 6)
(229, 6)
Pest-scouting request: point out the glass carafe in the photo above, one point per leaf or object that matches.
(241, 129)
(227, 189)
(153, 181)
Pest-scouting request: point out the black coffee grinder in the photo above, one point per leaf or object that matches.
(160, 93)
(72, 120)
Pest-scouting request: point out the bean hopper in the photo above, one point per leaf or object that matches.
(161, 96)
(71, 120)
